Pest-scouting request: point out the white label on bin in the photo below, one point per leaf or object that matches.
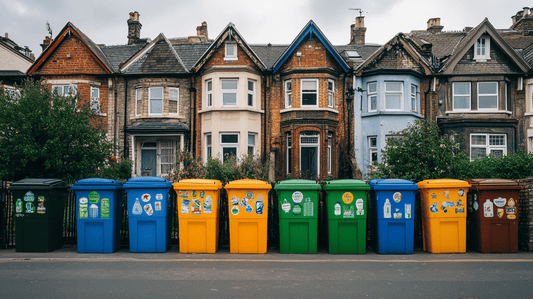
(297, 197)
(159, 196)
(146, 197)
(286, 207)
(148, 209)
(500, 202)
(407, 211)
(475, 205)
(398, 214)
(137, 209)
(185, 206)
(308, 208)
(337, 210)
(157, 206)
(360, 205)
(208, 204)
(488, 209)
(234, 200)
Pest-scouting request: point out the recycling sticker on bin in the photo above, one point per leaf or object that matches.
(251, 203)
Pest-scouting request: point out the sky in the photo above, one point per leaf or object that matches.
(259, 22)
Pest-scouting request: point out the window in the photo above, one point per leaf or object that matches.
(372, 97)
(530, 145)
(208, 146)
(229, 145)
(229, 92)
(331, 93)
(138, 101)
(393, 95)
(309, 92)
(482, 145)
(156, 100)
(414, 105)
(251, 144)
(288, 94)
(309, 153)
(461, 96)
(231, 51)
(209, 92)
(487, 95)
(373, 150)
(482, 49)
(95, 99)
(65, 90)
(173, 100)
(167, 156)
(251, 93)
(330, 144)
(289, 153)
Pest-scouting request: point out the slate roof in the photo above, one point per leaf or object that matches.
(157, 127)
(269, 54)
(190, 53)
(159, 58)
(443, 43)
(119, 54)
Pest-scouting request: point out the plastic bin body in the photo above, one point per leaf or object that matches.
(393, 207)
(298, 215)
(443, 205)
(148, 219)
(98, 214)
(198, 210)
(248, 215)
(39, 208)
(346, 205)
(494, 204)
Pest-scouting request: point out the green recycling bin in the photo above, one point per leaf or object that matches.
(39, 205)
(346, 205)
(298, 215)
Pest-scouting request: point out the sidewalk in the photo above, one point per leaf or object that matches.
(69, 253)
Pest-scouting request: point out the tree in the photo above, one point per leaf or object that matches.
(419, 152)
(45, 135)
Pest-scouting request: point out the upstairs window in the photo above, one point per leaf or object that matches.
(231, 51)
(331, 93)
(487, 97)
(482, 49)
(372, 97)
(288, 94)
(156, 100)
(95, 99)
(173, 100)
(138, 101)
(309, 89)
(414, 102)
(209, 92)
(251, 93)
(229, 92)
(393, 95)
(461, 96)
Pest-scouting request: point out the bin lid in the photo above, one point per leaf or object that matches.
(442, 183)
(37, 184)
(346, 184)
(248, 184)
(493, 184)
(297, 185)
(147, 182)
(198, 184)
(97, 184)
(392, 184)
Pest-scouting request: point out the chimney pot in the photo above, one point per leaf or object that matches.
(434, 25)
(7, 35)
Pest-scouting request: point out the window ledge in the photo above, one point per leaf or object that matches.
(231, 58)
(230, 109)
(378, 113)
(480, 112)
(309, 109)
(528, 114)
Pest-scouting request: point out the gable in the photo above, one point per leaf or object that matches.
(392, 58)
(218, 55)
(161, 58)
(499, 62)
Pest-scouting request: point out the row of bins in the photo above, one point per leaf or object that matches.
(491, 206)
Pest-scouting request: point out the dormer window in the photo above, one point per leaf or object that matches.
(231, 51)
(482, 49)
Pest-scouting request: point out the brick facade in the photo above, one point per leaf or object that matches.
(525, 214)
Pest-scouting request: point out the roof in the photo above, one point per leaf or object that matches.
(157, 127)
(21, 52)
(190, 53)
(119, 54)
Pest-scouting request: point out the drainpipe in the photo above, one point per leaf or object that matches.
(192, 92)
(263, 149)
(126, 150)
(115, 139)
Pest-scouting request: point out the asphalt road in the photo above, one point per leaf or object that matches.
(67, 274)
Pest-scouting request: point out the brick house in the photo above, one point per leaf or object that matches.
(14, 61)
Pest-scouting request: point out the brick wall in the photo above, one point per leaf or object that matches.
(525, 215)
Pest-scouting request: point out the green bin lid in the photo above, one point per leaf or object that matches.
(346, 185)
(493, 184)
(297, 185)
(96, 184)
(37, 184)
(392, 184)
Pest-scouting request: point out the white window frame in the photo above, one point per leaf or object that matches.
(372, 149)
(414, 98)
(227, 53)
(372, 96)
(479, 95)
(138, 101)
(175, 98)
(209, 93)
(169, 159)
(329, 151)
(302, 92)
(487, 144)
(331, 93)
(65, 89)
(288, 93)
(305, 144)
(457, 96)
(229, 145)
(151, 100)
(251, 93)
(289, 153)
(252, 137)
(95, 99)
(394, 93)
(229, 91)
(482, 49)
(208, 146)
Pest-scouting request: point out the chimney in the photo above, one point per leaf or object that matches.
(202, 30)
(523, 21)
(7, 35)
(434, 25)
(358, 31)
(46, 42)
(134, 28)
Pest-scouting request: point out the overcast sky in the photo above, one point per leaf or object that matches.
(259, 22)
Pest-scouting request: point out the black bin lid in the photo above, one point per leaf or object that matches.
(37, 184)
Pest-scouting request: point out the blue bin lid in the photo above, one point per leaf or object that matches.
(147, 182)
(97, 184)
(392, 184)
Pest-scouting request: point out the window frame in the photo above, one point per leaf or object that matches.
(252, 146)
(250, 93)
(208, 137)
(209, 92)
(372, 150)
(150, 100)
(372, 96)
(289, 152)
(227, 55)
(414, 98)
(95, 100)
(479, 95)
(331, 93)
(400, 93)
(469, 96)
(138, 101)
(229, 145)
(229, 91)
(478, 47)
(487, 146)
(172, 156)
(302, 92)
(329, 143)
(317, 145)
(177, 100)
(288, 93)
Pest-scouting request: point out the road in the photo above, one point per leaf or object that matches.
(67, 274)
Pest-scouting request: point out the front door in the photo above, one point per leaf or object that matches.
(309, 161)
(148, 162)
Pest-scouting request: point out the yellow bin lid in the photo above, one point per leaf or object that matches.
(443, 183)
(248, 184)
(198, 184)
